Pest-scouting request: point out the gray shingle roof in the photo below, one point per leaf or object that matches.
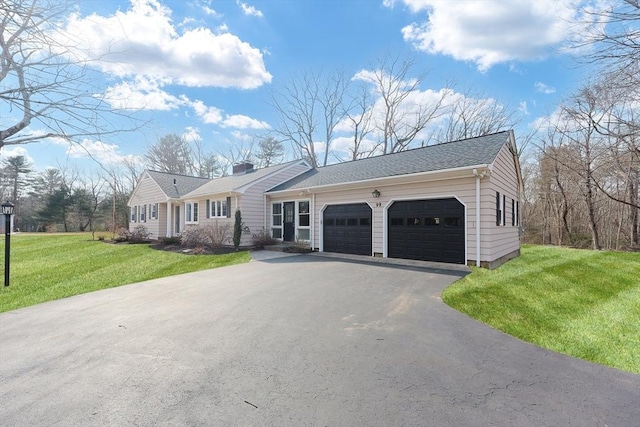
(183, 184)
(450, 155)
(235, 182)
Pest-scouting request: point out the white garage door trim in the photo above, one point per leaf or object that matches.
(351, 202)
(385, 220)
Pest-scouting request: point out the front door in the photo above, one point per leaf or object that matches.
(289, 222)
(177, 220)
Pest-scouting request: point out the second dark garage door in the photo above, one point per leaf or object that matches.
(347, 229)
(427, 230)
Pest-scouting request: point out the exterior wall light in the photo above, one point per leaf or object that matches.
(375, 194)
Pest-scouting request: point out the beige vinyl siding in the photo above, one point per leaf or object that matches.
(462, 188)
(250, 203)
(502, 240)
(148, 193)
(219, 221)
(253, 200)
(495, 242)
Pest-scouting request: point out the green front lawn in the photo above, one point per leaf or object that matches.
(48, 267)
(579, 302)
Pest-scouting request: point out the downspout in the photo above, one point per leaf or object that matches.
(264, 196)
(478, 177)
(313, 220)
(169, 231)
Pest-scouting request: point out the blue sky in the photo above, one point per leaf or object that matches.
(206, 69)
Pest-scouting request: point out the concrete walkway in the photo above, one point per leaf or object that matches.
(290, 340)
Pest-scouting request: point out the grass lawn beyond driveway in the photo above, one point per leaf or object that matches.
(49, 267)
(578, 302)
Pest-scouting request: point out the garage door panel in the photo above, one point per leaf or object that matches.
(347, 229)
(430, 230)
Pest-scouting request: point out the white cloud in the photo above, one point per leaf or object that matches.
(522, 107)
(344, 144)
(100, 151)
(513, 68)
(143, 41)
(490, 32)
(249, 10)
(370, 76)
(207, 114)
(205, 5)
(191, 134)
(141, 94)
(241, 136)
(14, 151)
(544, 88)
(240, 121)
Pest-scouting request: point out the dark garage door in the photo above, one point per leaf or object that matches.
(347, 229)
(428, 230)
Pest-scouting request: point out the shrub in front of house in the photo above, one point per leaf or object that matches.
(219, 234)
(194, 236)
(263, 238)
(173, 240)
(139, 234)
(212, 236)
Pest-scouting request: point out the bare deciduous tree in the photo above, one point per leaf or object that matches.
(471, 115)
(310, 107)
(402, 111)
(615, 34)
(44, 91)
(359, 117)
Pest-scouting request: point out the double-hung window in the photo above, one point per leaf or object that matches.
(143, 213)
(219, 208)
(154, 211)
(191, 212)
(304, 228)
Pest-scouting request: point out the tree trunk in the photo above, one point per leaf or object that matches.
(633, 214)
(593, 226)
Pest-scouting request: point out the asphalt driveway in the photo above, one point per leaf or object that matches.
(301, 340)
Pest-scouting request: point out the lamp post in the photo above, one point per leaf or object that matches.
(7, 211)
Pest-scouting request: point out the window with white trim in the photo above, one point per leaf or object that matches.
(499, 209)
(134, 213)
(218, 208)
(304, 228)
(504, 209)
(154, 211)
(276, 221)
(191, 212)
(143, 213)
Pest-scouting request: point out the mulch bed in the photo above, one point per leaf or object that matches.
(191, 251)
